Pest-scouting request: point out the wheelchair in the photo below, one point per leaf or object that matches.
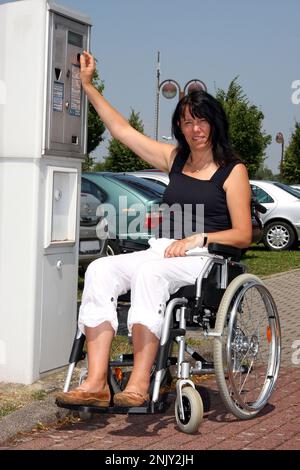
(237, 312)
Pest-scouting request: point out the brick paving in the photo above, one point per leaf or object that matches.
(277, 426)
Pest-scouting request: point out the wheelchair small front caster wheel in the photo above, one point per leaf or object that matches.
(193, 410)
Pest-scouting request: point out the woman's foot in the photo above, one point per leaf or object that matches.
(83, 396)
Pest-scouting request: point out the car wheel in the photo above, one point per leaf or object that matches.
(113, 248)
(278, 236)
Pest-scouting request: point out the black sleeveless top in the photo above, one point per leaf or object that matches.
(191, 205)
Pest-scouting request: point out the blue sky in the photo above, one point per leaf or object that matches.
(213, 41)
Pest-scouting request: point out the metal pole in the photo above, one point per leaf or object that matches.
(157, 96)
(282, 155)
(280, 140)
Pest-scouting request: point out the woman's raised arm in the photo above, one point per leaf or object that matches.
(157, 154)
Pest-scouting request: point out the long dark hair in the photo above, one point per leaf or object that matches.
(203, 105)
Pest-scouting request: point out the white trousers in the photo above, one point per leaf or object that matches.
(151, 278)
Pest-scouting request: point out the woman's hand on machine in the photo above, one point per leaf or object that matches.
(180, 247)
(87, 68)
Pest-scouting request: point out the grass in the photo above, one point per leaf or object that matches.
(39, 395)
(15, 396)
(6, 409)
(262, 262)
(120, 345)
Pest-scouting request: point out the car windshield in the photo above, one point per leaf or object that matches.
(288, 189)
(149, 189)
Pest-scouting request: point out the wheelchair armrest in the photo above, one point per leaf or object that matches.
(226, 251)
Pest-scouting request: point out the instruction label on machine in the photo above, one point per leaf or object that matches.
(58, 96)
(75, 104)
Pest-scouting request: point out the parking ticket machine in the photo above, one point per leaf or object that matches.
(43, 134)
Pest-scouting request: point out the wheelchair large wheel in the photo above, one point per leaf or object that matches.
(193, 410)
(247, 354)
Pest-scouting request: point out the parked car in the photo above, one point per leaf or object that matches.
(129, 220)
(163, 179)
(295, 186)
(90, 246)
(157, 176)
(282, 219)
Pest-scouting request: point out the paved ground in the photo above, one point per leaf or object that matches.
(278, 427)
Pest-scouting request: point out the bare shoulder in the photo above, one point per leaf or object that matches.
(239, 169)
(238, 176)
(170, 154)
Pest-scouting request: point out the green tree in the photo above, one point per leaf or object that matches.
(96, 128)
(120, 157)
(291, 162)
(248, 138)
(263, 173)
(99, 166)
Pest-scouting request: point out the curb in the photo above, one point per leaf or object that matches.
(27, 418)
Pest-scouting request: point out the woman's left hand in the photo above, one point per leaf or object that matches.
(180, 247)
(87, 68)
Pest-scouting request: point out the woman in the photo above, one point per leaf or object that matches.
(203, 170)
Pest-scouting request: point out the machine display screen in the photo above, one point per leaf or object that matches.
(75, 39)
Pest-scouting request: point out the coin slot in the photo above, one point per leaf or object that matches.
(57, 73)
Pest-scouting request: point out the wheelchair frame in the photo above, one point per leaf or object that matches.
(235, 348)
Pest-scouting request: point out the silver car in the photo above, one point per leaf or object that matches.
(282, 219)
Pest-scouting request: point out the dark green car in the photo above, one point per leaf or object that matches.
(128, 209)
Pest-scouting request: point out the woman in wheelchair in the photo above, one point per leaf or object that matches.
(204, 172)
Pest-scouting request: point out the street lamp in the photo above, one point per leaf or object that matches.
(169, 89)
(280, 140)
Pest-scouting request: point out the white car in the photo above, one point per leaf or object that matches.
(154, 175)
(282, 219)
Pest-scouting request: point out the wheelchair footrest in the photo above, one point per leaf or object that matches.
(150, 408)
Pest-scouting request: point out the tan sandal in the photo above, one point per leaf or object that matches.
(79, 396)
(130, 398)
